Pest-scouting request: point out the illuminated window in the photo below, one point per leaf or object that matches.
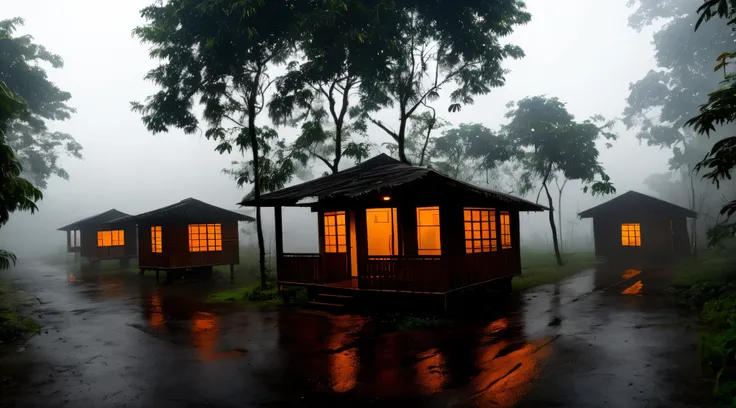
(505, 230)
(428, 231)
(156, 243)
(335, 240)
(205, 237)
(480, 230)
(110, 238)
(630, 235)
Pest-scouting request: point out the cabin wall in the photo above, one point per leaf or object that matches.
(70, 240)
(90, 250)
(658, 239)
(175, 248)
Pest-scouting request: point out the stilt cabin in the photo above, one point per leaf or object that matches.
(94, 241)
(187, 235)
(387, 226)
(635, 227)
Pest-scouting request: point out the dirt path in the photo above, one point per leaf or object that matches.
(599, 339)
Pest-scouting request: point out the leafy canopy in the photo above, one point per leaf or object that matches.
(21, 68)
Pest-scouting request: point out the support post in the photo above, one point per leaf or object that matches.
(278, 221)
(157, 273)
(232, 273)
(141, 272)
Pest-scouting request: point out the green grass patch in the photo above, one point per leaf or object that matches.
(13, 325)
(540, 268)
(251, 293)
(418, 323)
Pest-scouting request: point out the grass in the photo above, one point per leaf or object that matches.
(13, 325)
(714, 266)
(540, 268)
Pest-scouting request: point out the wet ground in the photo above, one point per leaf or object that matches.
(605, 338)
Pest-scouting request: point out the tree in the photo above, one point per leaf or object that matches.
(36, 147)
(434, 50)
(17, 193)
(551, 144)
(220, 51)
(420, 139)
(719, 110)
(660, 104)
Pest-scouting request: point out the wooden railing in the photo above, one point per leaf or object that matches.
(405, 273)
(482, 267)
(302, 268)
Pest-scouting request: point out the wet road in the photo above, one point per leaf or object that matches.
(604, 338)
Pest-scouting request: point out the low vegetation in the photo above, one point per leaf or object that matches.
(13, 325)
(540, 268)
(708, 285)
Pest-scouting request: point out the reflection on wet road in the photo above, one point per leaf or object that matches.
(120, 340)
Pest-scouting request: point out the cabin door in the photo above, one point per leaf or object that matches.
(382, 231)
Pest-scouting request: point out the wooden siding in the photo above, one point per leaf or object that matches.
(90, 250)
(657, 238)
(175, 248)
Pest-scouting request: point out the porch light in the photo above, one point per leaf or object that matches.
(386, 198)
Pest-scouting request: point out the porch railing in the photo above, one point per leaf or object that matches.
(406, 273)
(303, 268)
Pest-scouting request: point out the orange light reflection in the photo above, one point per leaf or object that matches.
(630, 273)
(634, 289)
(156, 320)
(430, 372)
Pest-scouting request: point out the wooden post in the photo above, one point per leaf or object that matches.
(232, 273)
(141, 272)
(278, 221)
(157, 272)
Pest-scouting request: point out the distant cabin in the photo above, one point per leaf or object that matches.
(187, 235)
(635, 226)
(388, 227)
(95, 241)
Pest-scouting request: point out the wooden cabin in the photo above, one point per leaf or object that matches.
(637, 227)
(190, 234)
(94, 241)
(385, 226)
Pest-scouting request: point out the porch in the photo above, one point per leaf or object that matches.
(411, 274)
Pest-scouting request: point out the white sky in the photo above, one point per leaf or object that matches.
(581, 51)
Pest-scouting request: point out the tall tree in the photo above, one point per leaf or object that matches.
(660, 103)
(433, 52)
(17, 193)
(552, 143)
(420, 139)
(21, 68)
(719, 110)
(219, 51)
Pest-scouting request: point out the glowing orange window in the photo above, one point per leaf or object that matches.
(428, 231)
(205, 237)
(335, 237)
(630, 235)
(156, 242)
(110, 238)
(480, 230)
(505, 230)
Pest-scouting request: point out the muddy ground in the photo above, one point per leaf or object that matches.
(605, 338)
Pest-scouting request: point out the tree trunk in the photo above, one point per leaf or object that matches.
(402, 137)
(552, 225)
(257, 182)
(560, 189)
(695, 220)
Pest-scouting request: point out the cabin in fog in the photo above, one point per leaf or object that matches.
(385, 226)
(190, 234)
(635, 226)
(94, 241)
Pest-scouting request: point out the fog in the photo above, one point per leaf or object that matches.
(581, 51)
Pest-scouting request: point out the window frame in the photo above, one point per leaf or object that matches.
(490, 221)
(75, 238)
(505, 229)
(157, 245)
(429, 251)
(216, 233)
(636, 236)
(336, 247)
(116, 240)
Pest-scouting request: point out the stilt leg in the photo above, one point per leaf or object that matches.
(141, 272)
(157, 273)
(232, 273)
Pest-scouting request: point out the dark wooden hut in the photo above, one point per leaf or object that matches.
(95, 241)
(635, 226)
(190, 234)
(385, 226)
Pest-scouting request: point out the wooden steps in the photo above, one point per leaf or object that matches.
(330, 302)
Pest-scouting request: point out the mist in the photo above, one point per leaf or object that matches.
(588, 63)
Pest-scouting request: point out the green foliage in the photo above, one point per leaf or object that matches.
(17, 193)
(540, 268)
(420, 323)
(36, 147)
(12, 322)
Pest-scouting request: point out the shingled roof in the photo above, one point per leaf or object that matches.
(639, 202)
(375, 174)
(187, 210)
(94, 220)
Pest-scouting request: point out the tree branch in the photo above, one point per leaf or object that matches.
(382, 126)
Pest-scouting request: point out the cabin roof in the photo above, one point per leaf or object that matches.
(187, 210)
(377, 173)
(640, 202)
(96, 219)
